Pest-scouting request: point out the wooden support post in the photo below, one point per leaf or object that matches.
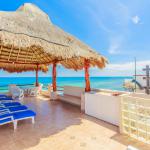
(37, 70)
(87, 80)
(54, 77)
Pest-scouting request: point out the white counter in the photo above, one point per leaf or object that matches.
(104, 106)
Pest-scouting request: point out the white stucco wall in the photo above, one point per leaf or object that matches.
(103, 106)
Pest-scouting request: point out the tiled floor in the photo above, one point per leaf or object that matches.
(60, 126)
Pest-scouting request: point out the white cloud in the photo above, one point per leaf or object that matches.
(136, 19)
(128, 66)
(124, 69)
(115, 45)
(114, 48)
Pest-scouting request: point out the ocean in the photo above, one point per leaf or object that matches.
(113, 83)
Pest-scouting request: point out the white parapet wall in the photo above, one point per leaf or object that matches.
(135, 116)
(73, 95)
(104, 106)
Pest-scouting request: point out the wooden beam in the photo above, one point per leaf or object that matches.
(54, 77)
(41, 55)
(31, 63)
(27, 52)
(18, 55)
(1, 49)
(37, 70)
(87, 80)
(10, 52)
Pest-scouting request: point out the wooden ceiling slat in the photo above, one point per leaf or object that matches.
(18, 54)
(43, 56)
(27, 52)
(14, 55)
(10, 52)
(19, 62)
(14, 51)
(39, 60)
(1, 49)
(13, 58)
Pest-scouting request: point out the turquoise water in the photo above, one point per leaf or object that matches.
(114, 83)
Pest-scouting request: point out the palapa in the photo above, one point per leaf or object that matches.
(28, 38)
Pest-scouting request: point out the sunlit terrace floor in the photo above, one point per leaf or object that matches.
(61, 126)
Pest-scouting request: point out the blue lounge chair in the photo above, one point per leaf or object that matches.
(14, 109)
(3, 95)
(18, 108)
(11, 104)
(7, 117)
(23, 115)
(6, 99)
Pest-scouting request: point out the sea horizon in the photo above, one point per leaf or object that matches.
(103, 82)
(63, 76)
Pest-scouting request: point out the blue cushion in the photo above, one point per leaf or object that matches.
(6, 98)
(24, 114)
(2, 95)
(11, 104)
(5, 115)
(2, 108)
(4, 111)
(5, 120)
(18, 108)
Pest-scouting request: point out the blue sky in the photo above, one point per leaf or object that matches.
(118, 29)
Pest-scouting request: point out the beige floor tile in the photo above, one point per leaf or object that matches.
(61, 126)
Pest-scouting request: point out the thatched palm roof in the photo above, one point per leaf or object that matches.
(11, 68)
(28, 38)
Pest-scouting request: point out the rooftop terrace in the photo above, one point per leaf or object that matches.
(61, 126)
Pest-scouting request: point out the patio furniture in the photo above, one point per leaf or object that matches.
(47, 92)
(40, 88)
(7, 117)
(10, 104)
(16, 92)
(14, 109)
(25, 91)
(10, 88)
(6, 99)
(72, 95)
(28, 114)
(33, 91)
(3, 95)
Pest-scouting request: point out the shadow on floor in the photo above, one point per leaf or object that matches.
(120, 138)
(52, 117)
(63, 121)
